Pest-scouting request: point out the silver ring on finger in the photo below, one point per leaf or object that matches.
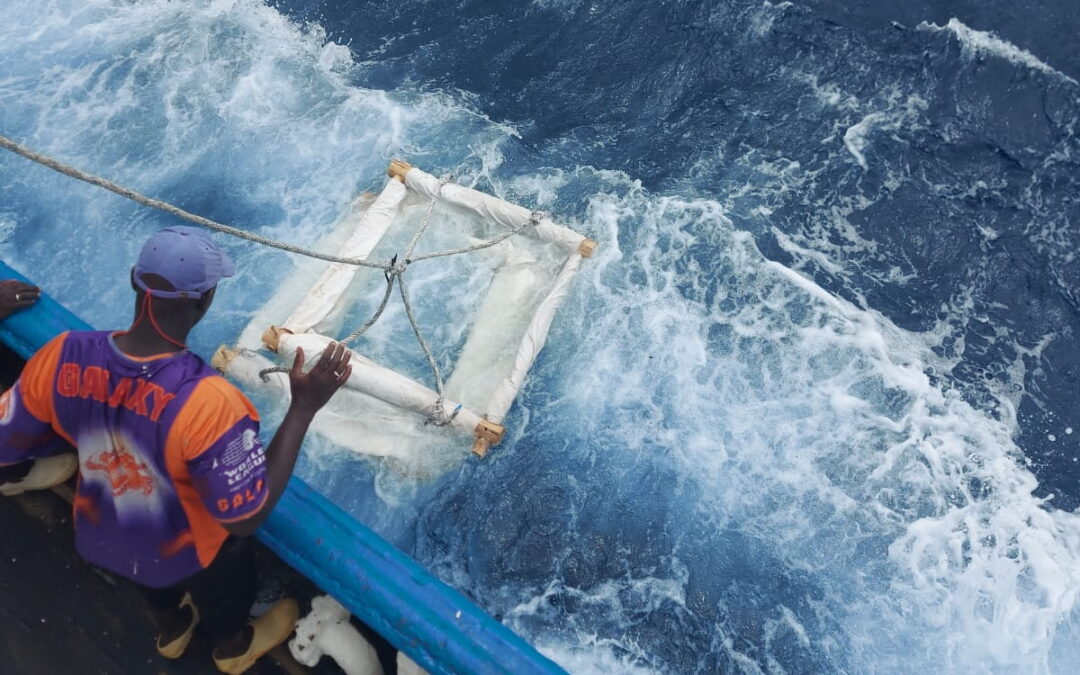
(18, 297)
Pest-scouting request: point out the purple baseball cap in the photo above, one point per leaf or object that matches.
(187, 258)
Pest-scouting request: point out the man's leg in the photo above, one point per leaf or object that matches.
(172, 620)
(224, 593)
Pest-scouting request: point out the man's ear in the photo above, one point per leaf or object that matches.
(206, 299)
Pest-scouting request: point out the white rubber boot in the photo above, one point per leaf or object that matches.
(326, 630)
(47, 472)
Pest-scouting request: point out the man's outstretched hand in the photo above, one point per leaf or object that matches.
(16, 295)
(311, 390)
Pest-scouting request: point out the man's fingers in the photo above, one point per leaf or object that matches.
(298, 362)
(339, 357)
(327, 356)
(23, 288)
(333, 362)
(20, 293)
(24, 295)
(342, 360)
(343, 377)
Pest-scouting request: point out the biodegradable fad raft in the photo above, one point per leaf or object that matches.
(382, 411)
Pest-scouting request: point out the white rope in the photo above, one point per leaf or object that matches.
(55, 165)
(391, 275)
(427, 219)
(394, 270)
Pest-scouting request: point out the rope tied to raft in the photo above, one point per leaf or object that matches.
(264, 374)
(393, 269)
(437, 415)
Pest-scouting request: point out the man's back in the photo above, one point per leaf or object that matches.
(167, 450)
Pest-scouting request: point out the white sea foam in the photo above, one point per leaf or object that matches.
(897, 115)
(8, 223)
(828, 93)
(762, 20)
(855, 137)
(987, 42)
(858, 444)
(269, 124)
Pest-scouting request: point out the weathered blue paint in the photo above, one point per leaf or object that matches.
(437, 626)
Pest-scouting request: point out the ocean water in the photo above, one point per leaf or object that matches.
(811, 408)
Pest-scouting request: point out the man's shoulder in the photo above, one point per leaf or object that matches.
(215, 394)
(87, 335)
(80, 340)
(214, 385)
(49, 353)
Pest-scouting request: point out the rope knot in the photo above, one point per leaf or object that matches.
(395, 269)
(437, 414)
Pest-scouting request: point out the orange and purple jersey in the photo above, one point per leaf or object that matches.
(168, 451)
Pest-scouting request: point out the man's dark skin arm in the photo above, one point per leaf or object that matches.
(310, 392)
(16, 295)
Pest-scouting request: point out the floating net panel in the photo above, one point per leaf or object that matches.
(489, 297)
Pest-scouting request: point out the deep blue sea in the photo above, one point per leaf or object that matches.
(813, 406)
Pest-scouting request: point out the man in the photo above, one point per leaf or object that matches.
(172, 474)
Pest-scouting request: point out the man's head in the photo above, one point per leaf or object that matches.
(179, 267)
(185, 257)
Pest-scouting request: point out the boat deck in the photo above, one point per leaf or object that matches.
(60, 615)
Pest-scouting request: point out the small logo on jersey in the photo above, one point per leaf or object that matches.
(123, 470)
(248, 439)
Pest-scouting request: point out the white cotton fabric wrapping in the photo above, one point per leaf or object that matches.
(365, 235)
(382, 383)
(509, 216)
